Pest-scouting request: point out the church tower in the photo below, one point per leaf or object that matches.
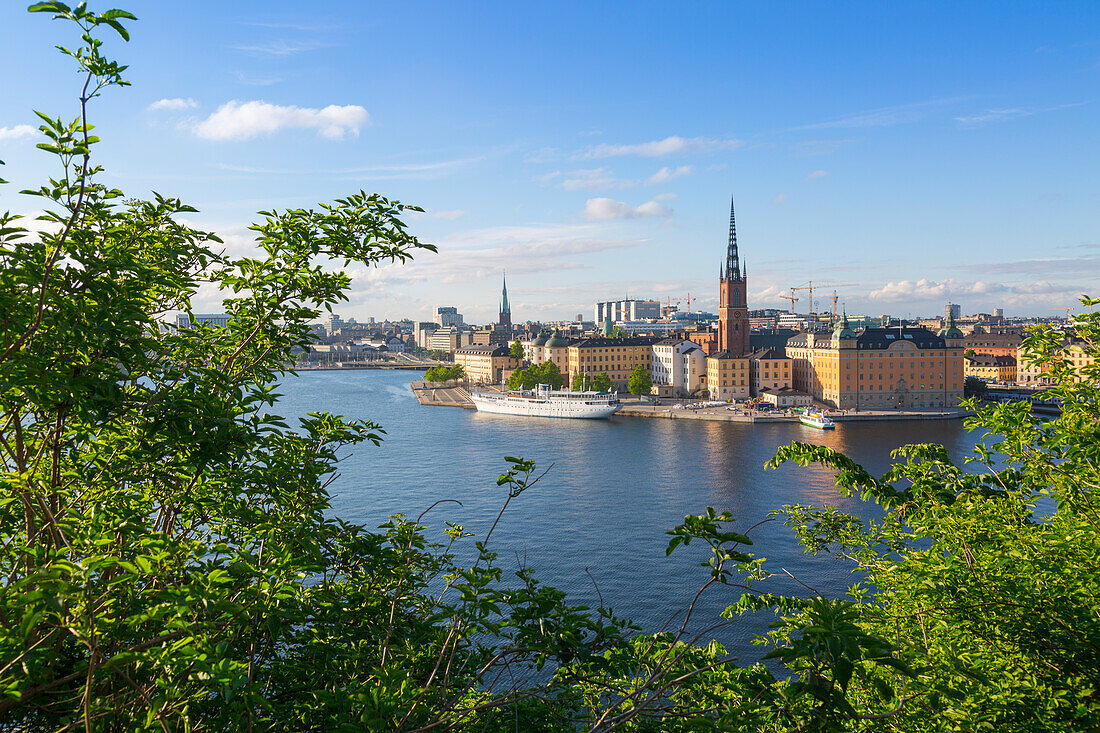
(504, 322)
(733, 309)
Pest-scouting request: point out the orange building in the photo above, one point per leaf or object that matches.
(616, 356)
(880, 368)
(728, 377)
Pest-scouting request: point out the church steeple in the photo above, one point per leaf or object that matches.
(733, 266)
(505, 319)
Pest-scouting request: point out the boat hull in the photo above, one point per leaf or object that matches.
(817, 423)
(570, 409)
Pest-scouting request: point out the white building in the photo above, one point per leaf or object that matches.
(217, 320)
(679, 364)
(447, 315)
(627, 310)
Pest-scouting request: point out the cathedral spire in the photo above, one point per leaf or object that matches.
(504, 307)
(733, 267)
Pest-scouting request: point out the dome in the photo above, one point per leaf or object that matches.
(556, 341)
(843, 329)
(949, 330)
(540, 340)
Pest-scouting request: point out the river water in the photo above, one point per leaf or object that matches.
(614, 488)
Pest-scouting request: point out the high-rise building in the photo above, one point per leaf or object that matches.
(733, 309)
(952, 311)
(447, 315)
(627, 309)
(504, 322)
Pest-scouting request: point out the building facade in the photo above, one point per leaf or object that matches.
(616, 356)
(627, 309)
(769, 369)
(447, 315)
(728, 377)
(990, 368)
(879, 368)
(733, 309)
(486, 364)
(679, 364)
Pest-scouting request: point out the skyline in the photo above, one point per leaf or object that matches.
(929, 154)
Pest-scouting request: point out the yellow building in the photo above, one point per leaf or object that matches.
(879, 368)
(770, 370)
(990, 368)
(486, 364)
(616, 356)
(728, 376)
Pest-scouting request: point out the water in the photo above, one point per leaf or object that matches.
(613, 489)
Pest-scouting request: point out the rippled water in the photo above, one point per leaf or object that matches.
(614, 488)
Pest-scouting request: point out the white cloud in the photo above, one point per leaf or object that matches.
(604, 209)
(667, 174)
(658, 148)
(15, 132)
(173, 103)
(882, 116)
(997, 115)
(281, 47)
(664, 197)
(779, 199)
(816, 174)
(237, 120)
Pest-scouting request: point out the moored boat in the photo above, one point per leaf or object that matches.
(816, 420)
(545, 402)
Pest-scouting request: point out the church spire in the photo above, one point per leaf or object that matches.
(733, 267)
(504, 307)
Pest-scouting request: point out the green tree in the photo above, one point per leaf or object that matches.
(640, 382)
(445, 373)
(517, 350)
(974, 387)
(549, 373)
(602, 382)
(522, 379)
(582, 383)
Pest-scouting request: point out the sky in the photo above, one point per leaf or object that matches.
(906, 154)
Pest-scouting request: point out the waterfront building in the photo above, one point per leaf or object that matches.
(769, 369)
(990, 368)
(548, 347)
(879, 368)
(728, 376)
(616, 356)
(785, 397)
(487, 364)
(446, 315)
(733, 309)
(627, 309)
(422, 333)
(678, 364)
(490, 335)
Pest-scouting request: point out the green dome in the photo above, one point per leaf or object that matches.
(556, 341)
(540, 340)
(843, 329)
(949, 330)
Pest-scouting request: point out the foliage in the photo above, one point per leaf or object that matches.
(602, 382)
(640, 382)
(582, 383)
(445, 373)
(440, 355)
(974, 387)
(536, 374)
(986, 577)
(169, 559)
(516, 352)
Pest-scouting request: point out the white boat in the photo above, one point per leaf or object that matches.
(816, 420)
(545, 402)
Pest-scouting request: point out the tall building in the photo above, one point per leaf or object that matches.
(733, 309)
(504, 322)
(953, 311)
(447, 315)
(628, 309)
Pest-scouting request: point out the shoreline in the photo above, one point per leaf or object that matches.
(454, 395)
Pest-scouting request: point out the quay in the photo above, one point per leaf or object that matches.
(450, 394)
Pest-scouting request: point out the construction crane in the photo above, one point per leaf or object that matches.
(1067, 310)
(687, 303)
(791, 298)
(809, 287)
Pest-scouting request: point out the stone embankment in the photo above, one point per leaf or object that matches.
(450, 394)
(442, 394)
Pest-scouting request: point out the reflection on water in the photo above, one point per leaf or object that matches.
(614, 489)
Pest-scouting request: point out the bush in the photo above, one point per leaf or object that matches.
(445, 373)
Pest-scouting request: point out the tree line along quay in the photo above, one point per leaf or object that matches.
(170, 560)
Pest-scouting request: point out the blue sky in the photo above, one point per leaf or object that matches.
(925, 152)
